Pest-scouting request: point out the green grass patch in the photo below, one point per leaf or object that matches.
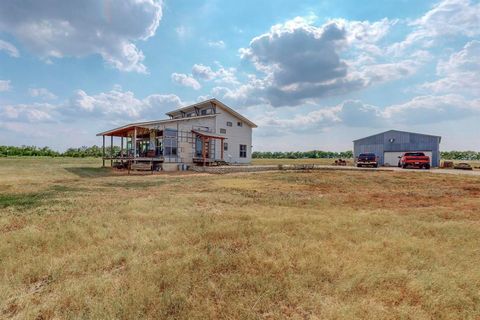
(25, 201)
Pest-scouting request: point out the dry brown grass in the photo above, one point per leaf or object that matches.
(80, 242)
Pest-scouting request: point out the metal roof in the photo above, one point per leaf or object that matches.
(373, 135)
(140, 124)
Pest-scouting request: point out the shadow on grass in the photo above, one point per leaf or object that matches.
(91, 172)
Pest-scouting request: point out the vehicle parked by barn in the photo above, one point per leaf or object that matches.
(414, 160)
(391, 144)
(367, 160)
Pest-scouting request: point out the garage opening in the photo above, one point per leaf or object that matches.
(390, 159)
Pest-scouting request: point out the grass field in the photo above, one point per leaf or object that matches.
(78, 241)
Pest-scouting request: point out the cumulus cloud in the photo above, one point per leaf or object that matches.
(5, 85)
(9, 48)
(298, 62)
(123, 105)
(460, 73)
(77, 29)
(433, 109)
(113, 106)
(421, 110)
(185, 80)
(447, 19)
(450, 17)
(42, 93)
(381, 72)
(295, 52)
(221, 75)
(31, 113)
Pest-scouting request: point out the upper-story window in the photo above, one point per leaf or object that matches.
(203, 112)
(229, 124)
(240, 124)
(222, 130)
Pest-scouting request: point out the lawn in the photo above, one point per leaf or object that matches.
(78, 241)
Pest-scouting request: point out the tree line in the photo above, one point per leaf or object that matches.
(32, 151)
(316, 154)
(96, 152)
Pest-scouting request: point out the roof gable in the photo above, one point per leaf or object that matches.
(217, 103)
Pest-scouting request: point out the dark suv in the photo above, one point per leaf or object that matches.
(367, 159)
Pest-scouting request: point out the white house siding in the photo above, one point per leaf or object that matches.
(235, 137)
(184, 127)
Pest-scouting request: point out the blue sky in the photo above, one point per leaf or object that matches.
(311, 74)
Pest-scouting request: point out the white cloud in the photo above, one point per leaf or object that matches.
(450, 17)
(447, 19)
(433, 109)
(120, 105)
(421, 110)
(82, 28)
(115, 105)
(9, 48)
(382, 72)
(460, 73)
(185, 80)
(31, 113)
(217, 44)
(5, 85)
(221, 75)
(41, 93)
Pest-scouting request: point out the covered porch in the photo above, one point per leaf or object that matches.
(205, 148)
(137, 144)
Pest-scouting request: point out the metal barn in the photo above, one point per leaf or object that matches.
(390, 145)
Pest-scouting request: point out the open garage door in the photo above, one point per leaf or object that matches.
(390, 159)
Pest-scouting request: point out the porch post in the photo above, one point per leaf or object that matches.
(203, 150)
(121, 146)
(221, 149)
(134, 143)
(103, 152)
(111, 151)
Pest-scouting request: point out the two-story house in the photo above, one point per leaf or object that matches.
(203, 133)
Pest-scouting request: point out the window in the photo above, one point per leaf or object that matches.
(203, 112)
(229, 124)
(239, 124)
(243, 151)
(223, 130)
(225, 146)
(170, 143)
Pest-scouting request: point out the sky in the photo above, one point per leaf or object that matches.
(311, 74)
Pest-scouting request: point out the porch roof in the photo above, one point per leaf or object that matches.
(144, 124)
(122, 131)
(208, 134)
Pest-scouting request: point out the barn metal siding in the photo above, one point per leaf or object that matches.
(398, 141)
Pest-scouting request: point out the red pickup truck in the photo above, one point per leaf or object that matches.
(415, 160)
